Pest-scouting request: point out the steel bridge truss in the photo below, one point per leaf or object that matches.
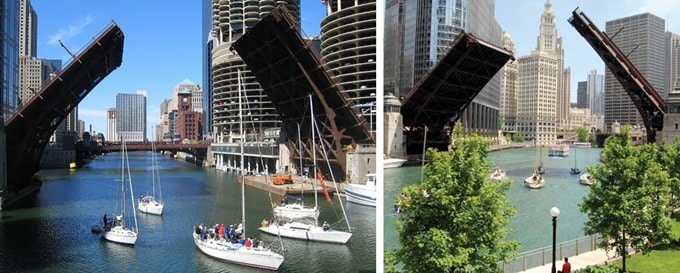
(289, 72)
(647, 100)
(441, 95)
(29, 129)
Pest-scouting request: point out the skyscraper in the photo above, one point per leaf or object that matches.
(425, 29)
(230, 20)
(131, 116)
(642, 36)
(673, 62)
(596, 93)
(206, 56)
(111, 133)
(543, 101)
(509, 88)
(582, 95)
(9, 48)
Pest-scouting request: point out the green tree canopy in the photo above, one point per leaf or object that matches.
(581, 134)
(456, 219)
(629, 203)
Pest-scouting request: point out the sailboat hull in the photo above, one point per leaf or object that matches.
(154, 207)
(121, 235)
(360, 194)
(307, 232)
(237, 254)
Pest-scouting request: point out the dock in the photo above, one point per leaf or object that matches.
(299, 186)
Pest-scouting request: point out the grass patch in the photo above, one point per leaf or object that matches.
(662, 259)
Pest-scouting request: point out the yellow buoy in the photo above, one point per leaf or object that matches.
(72, 165)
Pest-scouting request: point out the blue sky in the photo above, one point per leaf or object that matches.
(521, 19)
(162, 46)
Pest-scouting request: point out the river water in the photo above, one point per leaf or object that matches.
(532, 225)
(51, 233)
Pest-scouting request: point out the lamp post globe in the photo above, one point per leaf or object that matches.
(554, 212)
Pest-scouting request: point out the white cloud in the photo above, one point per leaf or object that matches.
(93, 113)
(70, 31)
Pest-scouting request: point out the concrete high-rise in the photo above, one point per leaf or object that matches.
(230, 20)
(673, 62)
(642, 37)
(33, 74)
(542, 97)
(509, 88)
(348, 48)
(582, 95)
(111, 132)
(131, 116)
(425, 29)
(596, 93)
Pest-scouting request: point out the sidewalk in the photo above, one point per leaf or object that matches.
(594, 257)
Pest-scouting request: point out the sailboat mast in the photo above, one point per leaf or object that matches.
(300, 150)
(153, 171)
(122, 179)
(243, 173)
(132, 194)
(344, 214)
(316, 197)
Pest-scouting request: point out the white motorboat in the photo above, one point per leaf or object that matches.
(149, 203)
(535, 181)
(295, 210)
(114, 228)
(303, 230)
(497, 174)
(586, 179)
(238, 253)
(391, 162)
(364, 194)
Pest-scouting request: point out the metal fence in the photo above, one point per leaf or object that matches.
(541, 256)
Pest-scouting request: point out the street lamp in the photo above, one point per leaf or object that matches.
(554, 212)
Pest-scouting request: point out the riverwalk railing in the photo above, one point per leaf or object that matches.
(542, 256)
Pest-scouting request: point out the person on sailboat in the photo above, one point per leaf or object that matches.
(326, 226)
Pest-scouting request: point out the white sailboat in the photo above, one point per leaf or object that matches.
(236, 252)
(149, 203)
(304, 230)
(497, 174)
(586, 179)
(297, 209)
(535, 181)
(363, 194)
(114, 228)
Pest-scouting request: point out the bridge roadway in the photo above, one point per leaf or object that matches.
(646, 99)
(198, 150)
(29, 129)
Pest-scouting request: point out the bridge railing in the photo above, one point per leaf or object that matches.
(542, 256)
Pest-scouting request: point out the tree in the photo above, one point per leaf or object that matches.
(669, 158)
(629, 203)
(456, 219)
(582, 134)
(518, 138)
